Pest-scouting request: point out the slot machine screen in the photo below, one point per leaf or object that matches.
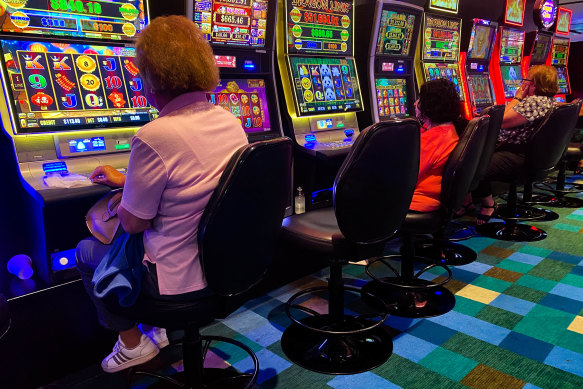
(481, 41)
(114, 19)
(563, 79)
(444, 5)
(391, 94)
(395, 33)
(442, 38)
(560, 52)
(246, 99)
(479, 85)
(445, 70)
(232, 23)
(511, 78)
(511, 45)
(319, 27)
(541, 48)
(324, 85)
(56, 86)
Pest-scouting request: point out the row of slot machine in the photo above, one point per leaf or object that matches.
(73, 97)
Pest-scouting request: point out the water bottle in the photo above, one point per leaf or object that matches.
(300, 201)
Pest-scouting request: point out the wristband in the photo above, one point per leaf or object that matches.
(517, 98)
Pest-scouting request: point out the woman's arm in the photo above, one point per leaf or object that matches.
(130, 223)
(511, 117)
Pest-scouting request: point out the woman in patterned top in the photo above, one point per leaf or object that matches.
(532, 101)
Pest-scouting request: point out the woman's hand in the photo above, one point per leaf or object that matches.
(108, 175)
(524, 89)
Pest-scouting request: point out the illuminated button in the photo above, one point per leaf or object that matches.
(310, 138)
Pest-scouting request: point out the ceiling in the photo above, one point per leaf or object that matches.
(576, 20)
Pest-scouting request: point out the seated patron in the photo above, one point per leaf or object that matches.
(531, 103)
(438, 107)
(175, 163)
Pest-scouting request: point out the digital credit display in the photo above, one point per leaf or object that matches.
(560, 52)
(395, 33)
(479, 85)
(319, 27)
(246, 99)
(481, 40)
(55, 86)
(103, 19)
(563, 79)
(445, 70)
(541, 48)
(391, 96)
(325, 85)
(232, 22)
(511, 45)
(442, 38)
(511, 78)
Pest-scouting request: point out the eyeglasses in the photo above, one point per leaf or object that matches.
(527, 79)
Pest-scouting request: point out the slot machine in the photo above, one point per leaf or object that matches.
(477, 66)
(321, 89)
(72, 100)
(538, 43)
(241, 34)
(439, 52)
(559, 59)
(506, 63)
(391, 55)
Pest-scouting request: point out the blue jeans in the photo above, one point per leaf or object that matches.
(89, 254)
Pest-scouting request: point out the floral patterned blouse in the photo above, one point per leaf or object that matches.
(533, 108)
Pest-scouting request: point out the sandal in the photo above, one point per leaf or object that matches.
(466, 208)
(483, 219)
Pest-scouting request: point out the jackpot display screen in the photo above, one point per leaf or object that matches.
(246, 99)
(391, 96)
(442, 38)
(105, 19)
(395, 33)
(324, 85)
(64, 86)
(319, 27)
(479, 85)
(232, 22)
(511, 45)
(541, 48)
(563, 79)
(481, 41)
(511, 78)
(445, 70)
(560, 51)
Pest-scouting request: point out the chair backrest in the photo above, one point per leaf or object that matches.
(496, 113)
(375, 184)
(4, 316)
(550, 139)
(240, 225)
(462, 163)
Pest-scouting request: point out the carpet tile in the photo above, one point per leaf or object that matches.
(478, 293)
(448, 364)
(515, 266)
(362, 381)
(526, 346)
(412, 347)
(512, 304)
(576, 325)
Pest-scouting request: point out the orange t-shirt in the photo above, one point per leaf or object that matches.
(437, 144)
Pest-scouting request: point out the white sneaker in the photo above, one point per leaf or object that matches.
(123, 357)
(159, 337)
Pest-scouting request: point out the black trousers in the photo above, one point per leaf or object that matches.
(506, 164)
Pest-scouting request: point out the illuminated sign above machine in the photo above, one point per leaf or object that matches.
(564, 21)
(514, 13)
(545, 13)
(444, 5)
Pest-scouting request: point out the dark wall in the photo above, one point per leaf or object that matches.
(575, 66)
(166, 7)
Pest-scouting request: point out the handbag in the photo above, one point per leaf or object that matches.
(102, 219)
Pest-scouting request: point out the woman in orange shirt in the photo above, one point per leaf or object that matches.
(437, 108)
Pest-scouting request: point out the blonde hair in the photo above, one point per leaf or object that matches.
(545, 80)
(174, 58)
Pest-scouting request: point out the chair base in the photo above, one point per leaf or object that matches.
(337, 354)
(525, 213)
(513, 233)
(413, 303)
(214, 379)
(450, 254)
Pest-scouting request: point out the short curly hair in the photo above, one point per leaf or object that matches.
(174, 58)
(439, 101)
(545, 80)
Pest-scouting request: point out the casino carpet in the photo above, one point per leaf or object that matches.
(517, 323)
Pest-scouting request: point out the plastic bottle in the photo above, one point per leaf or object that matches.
(300, 201)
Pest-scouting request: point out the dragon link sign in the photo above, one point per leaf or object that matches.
(334, 6)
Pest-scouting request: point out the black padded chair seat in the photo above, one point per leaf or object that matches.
(312, 230)
(421, 223)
